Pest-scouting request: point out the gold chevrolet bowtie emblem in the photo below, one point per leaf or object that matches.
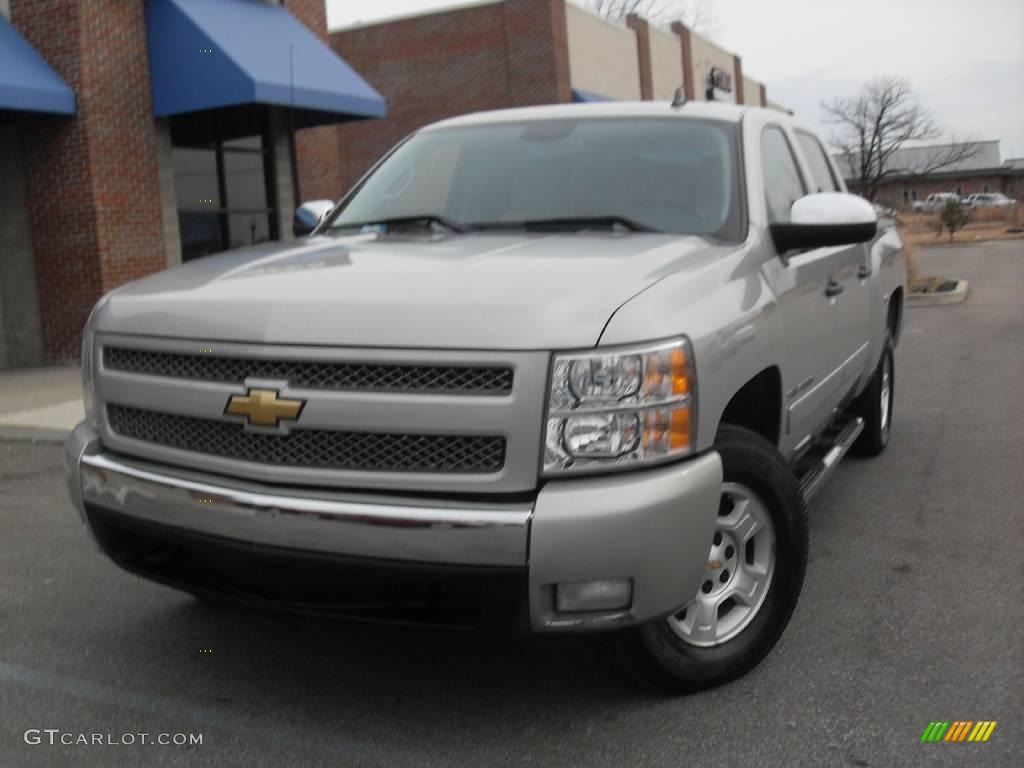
(263, 408)
(714, 565)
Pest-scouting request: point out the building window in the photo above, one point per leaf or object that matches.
(959, 191)
(223, 185)
(909, 196)
(985, 188)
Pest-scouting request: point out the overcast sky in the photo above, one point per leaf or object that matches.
(964, 58)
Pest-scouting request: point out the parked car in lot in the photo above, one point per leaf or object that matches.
(935, 202)
(578, 367)
(989, 200)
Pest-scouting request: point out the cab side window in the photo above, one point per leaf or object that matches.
(783, 183)
(822, 178)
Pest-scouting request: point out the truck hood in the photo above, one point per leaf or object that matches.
(482, 291)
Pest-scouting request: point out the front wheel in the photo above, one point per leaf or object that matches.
(755, 569)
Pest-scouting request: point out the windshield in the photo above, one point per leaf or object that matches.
(664, 174)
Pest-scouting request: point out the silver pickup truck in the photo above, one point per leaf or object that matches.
(577, 368)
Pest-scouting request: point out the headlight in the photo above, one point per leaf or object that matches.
(621, 408)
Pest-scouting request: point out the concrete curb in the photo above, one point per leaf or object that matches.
(33, 434)
(956, 296)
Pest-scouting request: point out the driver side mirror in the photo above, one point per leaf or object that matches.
(308, 215)
(825, 219)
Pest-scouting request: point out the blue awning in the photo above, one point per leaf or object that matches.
(26, 81)
(209, 54)
(581, 96)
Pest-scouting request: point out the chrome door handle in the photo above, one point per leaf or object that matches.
(833, 288)
(864, 271)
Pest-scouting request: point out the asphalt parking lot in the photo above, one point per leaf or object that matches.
(913, 610)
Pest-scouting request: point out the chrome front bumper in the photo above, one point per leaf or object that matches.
(652, 527)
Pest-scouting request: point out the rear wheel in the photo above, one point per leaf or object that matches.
(755, 569)
(875, 405)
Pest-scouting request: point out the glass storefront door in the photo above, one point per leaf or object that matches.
(224, 186)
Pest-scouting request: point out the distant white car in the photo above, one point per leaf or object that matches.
(934, 202)
(989, 200)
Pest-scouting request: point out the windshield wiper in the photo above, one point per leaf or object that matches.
(429, 218)
(567, 223)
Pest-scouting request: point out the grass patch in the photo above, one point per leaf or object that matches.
(985, 224)
(932, 284)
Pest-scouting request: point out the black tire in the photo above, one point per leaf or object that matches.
(656, 656)
(874, 437)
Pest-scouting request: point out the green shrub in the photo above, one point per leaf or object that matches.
(955, 217)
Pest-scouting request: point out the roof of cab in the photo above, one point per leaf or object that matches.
(703, 109)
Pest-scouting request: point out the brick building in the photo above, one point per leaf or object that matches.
(506, 53)
(983, 171)
(135, 134)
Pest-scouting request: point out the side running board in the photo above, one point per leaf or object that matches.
(818, 464)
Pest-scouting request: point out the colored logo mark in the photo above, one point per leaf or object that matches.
(958, 730)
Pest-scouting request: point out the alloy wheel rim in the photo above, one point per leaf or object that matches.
(886, 394)
(738, 573)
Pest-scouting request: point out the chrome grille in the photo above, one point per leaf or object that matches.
(366, 376)
(323, 449)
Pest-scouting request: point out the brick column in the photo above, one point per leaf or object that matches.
(21, 335)
(643, 51)
(92, 180)
(686, 46)
(738, 77)
(316, 149)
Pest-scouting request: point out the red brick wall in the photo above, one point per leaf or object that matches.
(319, 167)
(538, 52)
(450, 63)
(94, 202)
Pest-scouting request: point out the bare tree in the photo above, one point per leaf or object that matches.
(873, 125)
(696, 14)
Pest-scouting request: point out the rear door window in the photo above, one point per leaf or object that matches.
(822, 177)
(783, 184)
